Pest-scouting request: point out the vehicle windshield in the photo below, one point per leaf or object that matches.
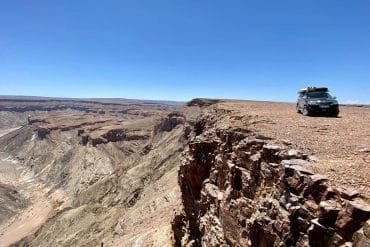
(319, 95)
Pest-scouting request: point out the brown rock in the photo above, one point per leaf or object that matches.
(316, 188)
(328, 212)
(303, 224)
(311, 205)
(330, 194)
(346, 225)
(318, 234)
(359, 209)
(292, 154)
(337, 240)
(318, 179)
(259, 236)
(346, 192)
(366, 228)
(295, 162)
(270, 152)
(360, 240)
(296, 178)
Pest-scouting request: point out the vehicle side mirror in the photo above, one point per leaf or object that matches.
(334, 97)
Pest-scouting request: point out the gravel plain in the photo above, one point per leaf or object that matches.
(340, 147)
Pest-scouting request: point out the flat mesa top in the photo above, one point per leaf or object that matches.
(340, 144)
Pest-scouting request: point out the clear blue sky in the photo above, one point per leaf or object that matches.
(178, 50)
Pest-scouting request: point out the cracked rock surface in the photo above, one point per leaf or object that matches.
(243, 187)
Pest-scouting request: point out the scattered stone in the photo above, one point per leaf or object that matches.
(292, 154)
(330, 194)
(318, 234)
(366, 228)
(318, 179)
(313, 158)
(311, 205)
(329, 211)
(272, 148)
(346, 192)
(365, 150)
(360, 240)
(271, 152)
(262, 137)
(286, 142)
(316, 188)
(296, 162)
(359, 209)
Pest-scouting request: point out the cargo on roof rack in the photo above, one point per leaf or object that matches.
(313, 89)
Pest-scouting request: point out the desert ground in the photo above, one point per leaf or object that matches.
(110, 169)
(340, 146)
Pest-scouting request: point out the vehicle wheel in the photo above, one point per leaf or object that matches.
(305, 111)
(298, 110)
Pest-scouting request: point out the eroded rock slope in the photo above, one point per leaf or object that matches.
(110, 179)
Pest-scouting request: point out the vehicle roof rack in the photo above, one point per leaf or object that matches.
(313, 89)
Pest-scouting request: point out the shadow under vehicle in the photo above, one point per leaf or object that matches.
(317, 101)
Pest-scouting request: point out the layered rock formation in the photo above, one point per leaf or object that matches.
(98, 106)
(15, 111)
(107, 177)
(241, 190)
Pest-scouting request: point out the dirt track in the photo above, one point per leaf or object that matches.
(340, 145)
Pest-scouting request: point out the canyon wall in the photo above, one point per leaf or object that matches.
(120, 191)
(240, 189)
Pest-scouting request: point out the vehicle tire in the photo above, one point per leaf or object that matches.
(298, 110)
(305, 111)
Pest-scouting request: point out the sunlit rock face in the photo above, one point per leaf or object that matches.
(241, 190)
